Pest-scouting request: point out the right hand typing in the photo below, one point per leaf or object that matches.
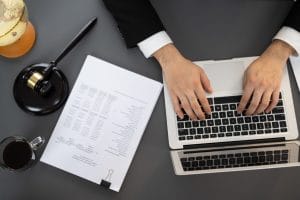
(187, 83)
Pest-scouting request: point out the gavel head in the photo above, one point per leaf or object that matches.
(39, 90)
(38, 84)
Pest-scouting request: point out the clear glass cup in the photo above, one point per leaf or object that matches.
(17, 34)
(17, 153)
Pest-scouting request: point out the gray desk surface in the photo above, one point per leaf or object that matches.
(208, 29)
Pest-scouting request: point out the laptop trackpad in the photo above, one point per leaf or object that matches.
(225, 76)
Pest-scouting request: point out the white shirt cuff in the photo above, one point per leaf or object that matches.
(153, 43)
(290, 36)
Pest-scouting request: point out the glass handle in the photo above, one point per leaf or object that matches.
(37, 142)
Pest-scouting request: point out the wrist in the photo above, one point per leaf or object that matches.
(167, 55)
(280, 50)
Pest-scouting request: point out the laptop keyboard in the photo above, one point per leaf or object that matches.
(226, 122)
(234, 160)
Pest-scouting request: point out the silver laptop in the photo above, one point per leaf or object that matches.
(228, 141)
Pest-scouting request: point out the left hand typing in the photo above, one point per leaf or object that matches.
(263, 77)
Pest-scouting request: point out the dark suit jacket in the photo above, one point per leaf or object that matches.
(137, 19)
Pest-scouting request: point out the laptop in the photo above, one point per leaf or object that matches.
(227, 141)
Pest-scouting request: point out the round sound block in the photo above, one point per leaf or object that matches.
(32, 102)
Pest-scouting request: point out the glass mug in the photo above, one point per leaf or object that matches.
(17, 34)
(17, 153)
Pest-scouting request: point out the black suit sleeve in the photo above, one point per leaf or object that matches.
(293, 19)
(136, 19)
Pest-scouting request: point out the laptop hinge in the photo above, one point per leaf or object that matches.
(234, 143)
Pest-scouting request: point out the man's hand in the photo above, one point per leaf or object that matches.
(263, 77)
(187, 83)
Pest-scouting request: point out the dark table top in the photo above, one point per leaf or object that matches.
(208, 29)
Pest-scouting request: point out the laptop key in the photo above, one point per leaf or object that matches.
(230, 128)
(260, 132)
(188, 124)
(268, 125)
(186, 118)
(230, 99)
(247, 160)
(202, 163)
(199, 158)
(192, 131)
(285, 151)
(215, 115)
(182, 132)
(225, 107)
(180, 125)
(236, 114)
(244, 133)
(279, 117)
(225, 121)
(275, 124)
(181, 138)
(218, 108)
(229, 114)
(239, 160)
(202, 123)
(236, 133)
(238, 155)
(218, 122)
(198, 137)
(275, 130)
(232, 107)
(280, 103)
(252, 132)
(221, 135)
(261, 159)
(222, 114)
(207, 116)
(283, 130)
(215, 129)
(240, 120)
(282, 124)
(252, 126)
(260, 126)
(189, 137)
(248, 119)
(183, 159)
(195, 164)
(278, 110)
(245, 127)
(284, 157)
(186, 164)
(268, 131)
(199, 130)
(262, 118)
(255, 119)
(195, 124)
(232, 121)
(210, 122)
(224, 162)
(237, 127)
(207, 130)
(270, 117)
(228, 134)
(269, 158)
(222, 129)
(231, 161)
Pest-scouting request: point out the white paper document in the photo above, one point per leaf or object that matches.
(102, 123)
(295, 61)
